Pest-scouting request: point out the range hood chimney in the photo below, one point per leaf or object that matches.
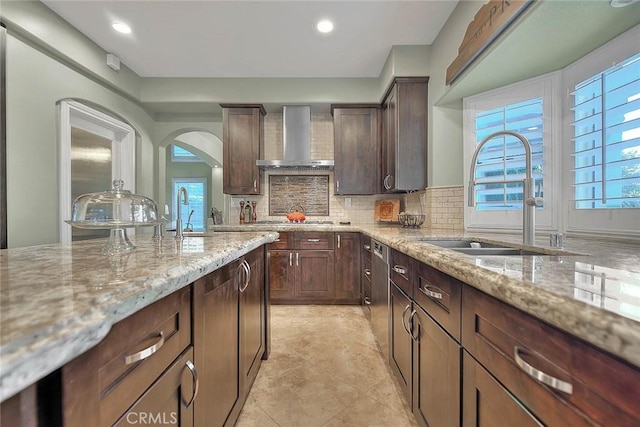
(296, 133)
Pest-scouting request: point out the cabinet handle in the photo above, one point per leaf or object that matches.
(367, 301)
(196, 383)
(399, 269)
(367, 248)
(255, 185)
(147, 352)
(540, 376)
(313, 240)
(297, 259)
(247, 269)
(406, 328)
(290, 259)
(433, 294)
(387, 186)
(415, 338)
(367, 272)
(338, 241)
(337, 186)
(277, 240)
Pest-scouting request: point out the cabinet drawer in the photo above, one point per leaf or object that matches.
(401, 271)
(313, 240)
(101, 384)
(440, 296)
(285, 241)
(508, 342)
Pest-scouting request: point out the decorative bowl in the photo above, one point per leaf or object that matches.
(411, 220)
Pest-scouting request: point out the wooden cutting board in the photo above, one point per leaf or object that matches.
(386, 210)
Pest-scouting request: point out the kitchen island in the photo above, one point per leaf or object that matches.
(58, 301)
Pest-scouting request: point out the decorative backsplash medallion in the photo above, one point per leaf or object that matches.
(309, 191)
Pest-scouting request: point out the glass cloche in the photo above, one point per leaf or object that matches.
(117, 210)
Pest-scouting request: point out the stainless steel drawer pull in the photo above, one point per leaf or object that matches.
(367, 247)
(313, 240)
(404, 325)
(399, 269)
(290, 259)
(430, 293)
(196, 383)
(411, 326)
(367, 301)
(338, 241)
(297, 259)
(540, 376)
(247, 268)
(367, 272)
(147, 352)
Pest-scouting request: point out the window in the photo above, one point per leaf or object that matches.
(602, 139)
(527, 108)
(179, 154)
(606, 138)
(196, 212)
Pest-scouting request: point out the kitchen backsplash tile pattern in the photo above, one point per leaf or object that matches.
(311, 192)
(442, 205)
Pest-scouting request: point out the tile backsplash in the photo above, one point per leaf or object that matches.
(442, 205)
(310, 192)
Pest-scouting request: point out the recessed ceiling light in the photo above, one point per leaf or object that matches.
(324, 26)
(622, 3)
(121, 27)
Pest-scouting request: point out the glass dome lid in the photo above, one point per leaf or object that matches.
(114, 209)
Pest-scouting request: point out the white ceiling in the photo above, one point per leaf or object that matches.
(211, 38)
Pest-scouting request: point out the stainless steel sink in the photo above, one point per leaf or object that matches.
(477, 248)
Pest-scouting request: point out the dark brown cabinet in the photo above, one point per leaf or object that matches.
(100, 386)
(348, 285)
(307, 267)
(356, 148)
(242, 139)
(401, 344)
(216, 339)
(404, 135)
(559, 379)
(229, 337)
(170, 399)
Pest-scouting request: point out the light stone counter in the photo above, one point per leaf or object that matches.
(59, 300)
(590, 289)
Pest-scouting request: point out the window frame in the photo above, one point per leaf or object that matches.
(602, 221)
(546, 87)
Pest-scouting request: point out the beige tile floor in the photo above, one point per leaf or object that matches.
(324, 370)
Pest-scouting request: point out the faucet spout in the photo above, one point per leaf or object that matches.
(185, 201)
(529, 201)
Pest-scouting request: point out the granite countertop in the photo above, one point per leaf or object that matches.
(59, 300)
(590, 288)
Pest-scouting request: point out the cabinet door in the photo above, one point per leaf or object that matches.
(252, 332)
(241, 143)
(400, 345)
(356, 147)
(169, 400)
(436, 373)
(487, 403)
(348, 267)
(389, 140)
(216, 344)
(315, 275)
(281, 275)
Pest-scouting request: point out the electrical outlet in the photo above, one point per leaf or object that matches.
(347, 202)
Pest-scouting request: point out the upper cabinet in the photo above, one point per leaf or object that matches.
(356, 148)
(242, 142)
(404, 135)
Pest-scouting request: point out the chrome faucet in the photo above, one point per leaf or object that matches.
(181, 191)
(530, 201)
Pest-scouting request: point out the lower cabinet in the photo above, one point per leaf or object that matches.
(487, 403)
(436, 372)
(306, 267)
(170, 399)
(401, 344)
(100, 386)
(229, 337)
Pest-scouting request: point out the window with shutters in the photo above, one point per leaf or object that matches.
(526, 108)
(602, 139)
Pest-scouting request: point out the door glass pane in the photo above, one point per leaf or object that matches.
(197, 190)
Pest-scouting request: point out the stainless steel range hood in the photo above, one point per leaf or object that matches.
(296, 133)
